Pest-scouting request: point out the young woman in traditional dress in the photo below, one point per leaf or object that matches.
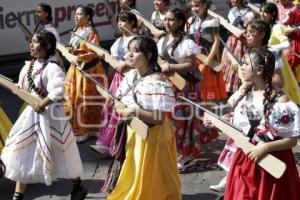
(83, 101)
(273, 121)
(118, 51)
(179, 51)
(279, 41)
(43, 14)
(239, 16)
(289, 15)
(270, 120)
(41, 146)
(205, 32)
(148, 166)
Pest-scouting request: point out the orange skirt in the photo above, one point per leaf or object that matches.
(83, 102)
(212, 86)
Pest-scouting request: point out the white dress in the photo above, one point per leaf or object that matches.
(120, 47)
(185, 48)
(42, 147)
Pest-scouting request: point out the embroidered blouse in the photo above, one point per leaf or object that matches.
(148, 93)
(284, 120)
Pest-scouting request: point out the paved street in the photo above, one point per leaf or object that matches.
(194, 183)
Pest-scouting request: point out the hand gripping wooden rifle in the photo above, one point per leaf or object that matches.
(111, 16)
(234, 30)
(268, 162)
(139, 126)
(148, 24)
(216, 66)
(25, 96)
(174, 77)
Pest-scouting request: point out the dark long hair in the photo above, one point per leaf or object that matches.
(272, 9)
(128, 16)
(147, 46)
(262, 57)
(261, 27)
(89, 12)
(2, 169)
(46, 38)
(180, 16)
(47, 8)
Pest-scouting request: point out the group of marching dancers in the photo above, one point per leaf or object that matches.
(257, 80)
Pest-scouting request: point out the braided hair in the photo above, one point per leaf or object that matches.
(2, 169)
(147, 46)
(264, 57)
(180, 16)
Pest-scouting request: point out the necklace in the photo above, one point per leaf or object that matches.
(30, 77)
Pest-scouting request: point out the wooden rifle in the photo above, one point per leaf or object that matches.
(174, 77)
(253, 7)
(27, 33)
(216, 66)
(25, 96)
(234, 30)
(148, 24)
(268, 162)
(139, 126)
(111, 16)
(100, 51)
(230, 55)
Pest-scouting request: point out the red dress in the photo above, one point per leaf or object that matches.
(247, 180)
(290, 15)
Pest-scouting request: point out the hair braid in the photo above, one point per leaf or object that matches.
(267, 76)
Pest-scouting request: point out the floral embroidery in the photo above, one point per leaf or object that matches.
(285, 118)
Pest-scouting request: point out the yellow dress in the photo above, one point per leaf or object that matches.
(146, 171)
(291, 87)
(149, 171)
(5, 126)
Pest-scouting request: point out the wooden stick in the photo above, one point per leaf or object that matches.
(253, 7)
(111, 16)
(268, 162)
(147, 23)
(234, 30)
(100, 51)
(174, 77)
(139, 126)
(216, 66)
(25, 96)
